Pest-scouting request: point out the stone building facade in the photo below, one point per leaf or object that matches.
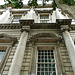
(36, 41)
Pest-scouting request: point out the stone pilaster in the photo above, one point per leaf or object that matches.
(33, 60)
(15, 67)
(69, 44)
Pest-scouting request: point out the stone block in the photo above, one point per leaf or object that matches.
(67, 69)
(71, 69)
(27, 60)
(5, 72)
(67, 64)
(26, 64)
(69, 73)
(8, 64)
(9, 60)
(6, 68)
(24, 73)
(65, 60)
(65, 57)
(11, 57)
(26, 68)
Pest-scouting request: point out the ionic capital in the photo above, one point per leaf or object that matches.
(27, 30)
(65, 27)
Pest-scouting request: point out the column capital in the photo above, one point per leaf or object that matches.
(27, 30)
(65, 27)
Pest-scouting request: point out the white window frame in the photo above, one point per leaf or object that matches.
(16, 20)
(47, 62)
(44, 14)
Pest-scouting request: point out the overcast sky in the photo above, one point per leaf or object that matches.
(2, 2)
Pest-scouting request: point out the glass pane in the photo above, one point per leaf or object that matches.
(38, 69)
(38, 65)
(46, 65)
(45, 60)
(53, 69)
(50, 73)
(53, 65)
(44, 17)
(46, 73)
(54, 73)
(42, 73)
(49, 65)
(1, 55)
(42, 60)
(49, 60)
(42, 69)
(50, 69)
(16, 20)
(46, 69)
(42, 65)
(38, 73)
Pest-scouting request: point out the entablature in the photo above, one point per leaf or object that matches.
(33, 25)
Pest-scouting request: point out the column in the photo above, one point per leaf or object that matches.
(33, 60)
(18, 57)
(70, 45)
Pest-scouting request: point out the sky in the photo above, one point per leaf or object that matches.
(2, 2)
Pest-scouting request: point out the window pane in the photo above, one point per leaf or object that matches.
(42, 73)
(54, 73)
(46, 73)
(16, 20)
(38, 73)
(44, 18)
(2, 52)
(50, 73)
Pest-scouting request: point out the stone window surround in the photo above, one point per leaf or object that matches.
(4, 46)
(7, 43)
(15, 15)
(47, 45)
(48, 63)
(43, 14)
(3, 53)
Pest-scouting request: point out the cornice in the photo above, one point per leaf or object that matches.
(10, 26)
(33, 25)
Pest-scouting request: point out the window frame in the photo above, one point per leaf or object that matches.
(4, 59)
(17, 19)
(44, 63)
(2, 50)
(44, 14)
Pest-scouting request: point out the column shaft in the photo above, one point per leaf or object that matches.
(33, 61)
(18, 57)
(70, 47)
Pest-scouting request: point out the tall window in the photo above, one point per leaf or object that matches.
(46, 63)
(16, 19)
(44, 18)
(2, 52)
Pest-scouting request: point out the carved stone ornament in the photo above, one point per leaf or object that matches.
(65, 27)
(46, 37)
(27, 30)
(4, 38)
